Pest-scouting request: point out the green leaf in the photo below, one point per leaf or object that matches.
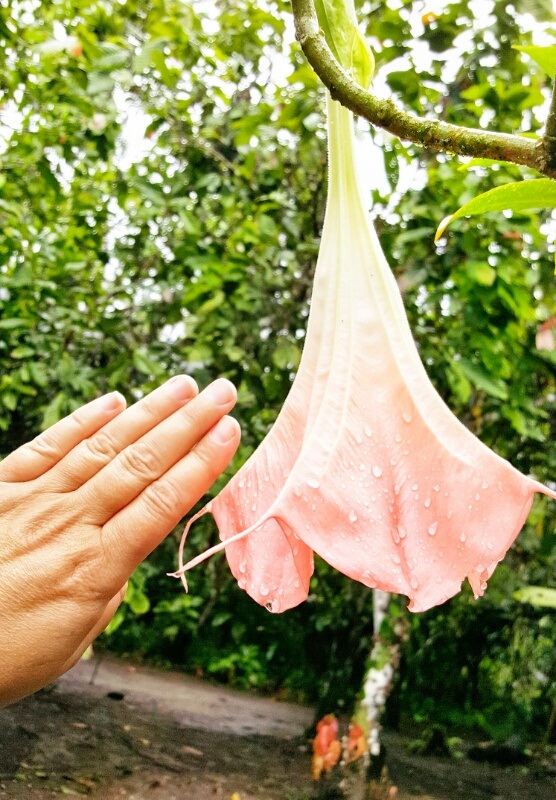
(483, 381)
(539, 596)
(544, 56)
(525, 196)
(338, 20)
(9, 324)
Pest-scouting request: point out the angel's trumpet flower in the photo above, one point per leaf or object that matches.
(365, 464)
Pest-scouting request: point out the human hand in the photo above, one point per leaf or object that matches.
(84, 503)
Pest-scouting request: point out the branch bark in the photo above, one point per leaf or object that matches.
(434, 134)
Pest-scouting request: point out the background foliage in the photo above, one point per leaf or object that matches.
(162, 188)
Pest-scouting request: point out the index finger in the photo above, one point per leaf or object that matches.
(37, 457)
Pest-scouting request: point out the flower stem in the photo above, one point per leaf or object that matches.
(434, 134)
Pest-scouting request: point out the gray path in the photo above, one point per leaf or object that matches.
(191, 701)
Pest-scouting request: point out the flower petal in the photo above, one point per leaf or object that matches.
(366, 465)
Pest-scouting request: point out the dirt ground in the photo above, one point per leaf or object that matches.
(73, 739)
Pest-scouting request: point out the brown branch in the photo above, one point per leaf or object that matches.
(434, 134)
(549, 138)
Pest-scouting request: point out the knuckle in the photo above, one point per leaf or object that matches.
(101, 447)
(79, 417)
(141, 460)
(162, 498)
(44, 446)
(205, 457)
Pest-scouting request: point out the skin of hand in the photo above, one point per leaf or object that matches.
(84, 503)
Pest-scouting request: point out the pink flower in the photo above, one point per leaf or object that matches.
(365, 465)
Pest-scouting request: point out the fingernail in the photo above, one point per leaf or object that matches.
(221, 392)
(224, 430)
(112, 401)
(182, 387)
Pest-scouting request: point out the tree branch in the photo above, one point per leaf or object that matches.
(550, 134)
(434, 134)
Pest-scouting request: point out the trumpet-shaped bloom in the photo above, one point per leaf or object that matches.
(365, 465)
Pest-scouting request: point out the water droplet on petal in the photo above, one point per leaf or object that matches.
(398, 438)
(242, 566)
(414, 583)
(407, 414)
(362, 467)
(352, 516)
(264, 590)
(393, 461)
(477, 497)
(428, 502)
(313, 483)
(377, 472)
(241, 483)
(268, 606)
(414, 487)
(433, 529)
(402, 531)
(358, 438)
(436, 488)
(254, 507)
(397, 560)
(297, 491)
(368, 431)
(480, 568)
(462, 537)
(484, 485)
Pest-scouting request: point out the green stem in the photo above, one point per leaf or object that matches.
(434, 134)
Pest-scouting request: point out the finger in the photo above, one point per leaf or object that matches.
(107, 615)
(147, 459)
(94, 453)
(45, 451)
(137, 529)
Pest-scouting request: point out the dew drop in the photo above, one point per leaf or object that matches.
(414, 487)
(377, 472)
(254, 507)
(297, 491)
(397, 488)
(362, 467)
(398, 438)
(241, 483)
(352, 516)
(480, 568)
(242, 566)
(436, 488)
(397, 560)
(264, 590)
(408, 414)
(358, 438)
(402, 531)
(462, 537)
(414, 583)
(313, 483)
(393, 461)
(368, 431)
(268, 606)
(242, 583)
(484, 485)
(477, 497)
(428, 502)
(433, 529)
